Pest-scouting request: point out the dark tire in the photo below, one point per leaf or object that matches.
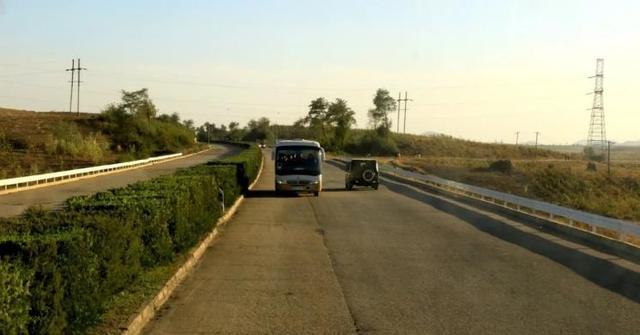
(316, 193)
(368, 175)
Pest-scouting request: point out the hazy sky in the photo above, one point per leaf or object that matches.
(476, 69)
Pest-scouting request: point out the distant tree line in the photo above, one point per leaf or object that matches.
(329, 122)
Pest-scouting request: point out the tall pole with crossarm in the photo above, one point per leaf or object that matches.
(597, 138)
(73, 71)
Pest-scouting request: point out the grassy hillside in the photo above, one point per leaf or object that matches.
(447, 146)
(27, 137)
(39, 142)
(29, 127)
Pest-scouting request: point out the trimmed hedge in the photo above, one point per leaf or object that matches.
(58, 269)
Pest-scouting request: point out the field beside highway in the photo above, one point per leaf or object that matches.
(566, 182)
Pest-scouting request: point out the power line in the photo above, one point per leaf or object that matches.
(5, 75)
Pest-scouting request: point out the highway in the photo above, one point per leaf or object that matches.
(395, 261)
(52, 196)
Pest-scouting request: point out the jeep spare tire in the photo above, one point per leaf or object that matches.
(368, 175)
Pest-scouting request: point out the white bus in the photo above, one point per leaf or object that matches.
(298, 166)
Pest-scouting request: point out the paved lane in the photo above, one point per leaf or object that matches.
(396, 261)
(268, 274)
(15, 203)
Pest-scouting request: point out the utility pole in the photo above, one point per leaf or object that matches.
(609, 143)
(404, 128)
(537, 134)
(597, 131)
(73, 70)
(79, 69)
(517, 137)
(398, 124)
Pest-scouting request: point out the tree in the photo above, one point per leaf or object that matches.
(234, 131)
(138, 103)
(259, 130)
(134, 126)
(208, 132)
(342, 118)
(385, 104)
(189, 124)
(317, 116)
(175, 118)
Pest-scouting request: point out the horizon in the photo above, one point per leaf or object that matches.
(474, 72)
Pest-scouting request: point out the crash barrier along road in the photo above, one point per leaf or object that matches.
(609, 228)
(11, 185)
(18, 200)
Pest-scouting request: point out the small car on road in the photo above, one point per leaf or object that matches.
(362, 172)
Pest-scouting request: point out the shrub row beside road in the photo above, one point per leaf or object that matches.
(60, 269)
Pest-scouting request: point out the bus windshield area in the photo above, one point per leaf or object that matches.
(298, 160)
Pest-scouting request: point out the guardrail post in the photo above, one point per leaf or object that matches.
(221, 195)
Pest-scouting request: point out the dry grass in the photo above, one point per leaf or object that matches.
(33, 127)
(26, 139)
(563, 182)
(447, 146)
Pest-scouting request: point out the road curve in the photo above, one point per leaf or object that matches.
(395, 261)
(49, 197)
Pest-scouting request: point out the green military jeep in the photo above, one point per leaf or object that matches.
(362, 172)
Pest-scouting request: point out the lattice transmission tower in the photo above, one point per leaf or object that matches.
(597, 138)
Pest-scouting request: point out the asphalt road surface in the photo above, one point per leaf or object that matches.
(395, 261)
(49, 197)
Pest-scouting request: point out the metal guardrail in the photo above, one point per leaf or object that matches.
(12, 184)
(624, 231)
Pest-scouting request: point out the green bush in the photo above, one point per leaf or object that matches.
(60, 269)
(503, 166)
(372, 143)
(141, 136)
(14, 297)
(68, 140)
(249, 162)
(63, 285)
